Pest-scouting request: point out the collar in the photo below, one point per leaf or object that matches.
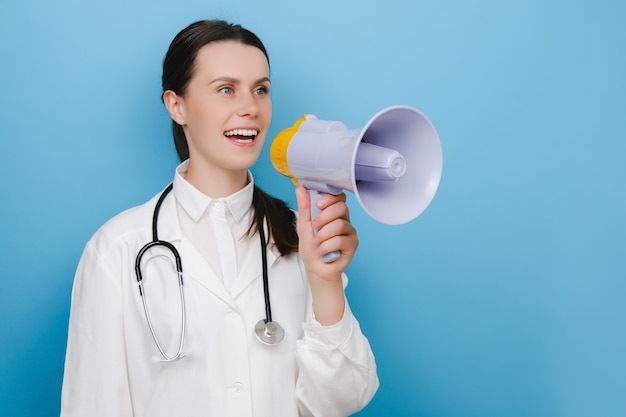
(195, 203)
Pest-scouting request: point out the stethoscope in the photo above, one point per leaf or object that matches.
(266, 330)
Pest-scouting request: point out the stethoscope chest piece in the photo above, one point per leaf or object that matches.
(269, 332)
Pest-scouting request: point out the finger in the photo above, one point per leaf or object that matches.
(330, 199)
(336, 211)
(346, 245)
(337, 227)
(338, 235)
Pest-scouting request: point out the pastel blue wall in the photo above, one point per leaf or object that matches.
(507, 297)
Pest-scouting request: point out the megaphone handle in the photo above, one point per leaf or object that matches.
(316, 195)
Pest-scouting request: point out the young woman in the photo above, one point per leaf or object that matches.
(167, 349)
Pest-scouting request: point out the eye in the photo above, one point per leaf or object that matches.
(261, 90)
(226, 90)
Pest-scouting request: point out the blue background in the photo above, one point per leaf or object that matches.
(505, 298)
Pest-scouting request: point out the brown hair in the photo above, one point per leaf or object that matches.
(178, 67)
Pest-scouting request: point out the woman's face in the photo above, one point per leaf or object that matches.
(226, 109)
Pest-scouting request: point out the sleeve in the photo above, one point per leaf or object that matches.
(337, 371)
(95, 381)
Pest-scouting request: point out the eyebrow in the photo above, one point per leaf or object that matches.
(231, 80)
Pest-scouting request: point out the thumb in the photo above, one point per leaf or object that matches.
(304, 210)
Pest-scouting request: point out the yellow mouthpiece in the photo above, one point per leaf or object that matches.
(280, 145)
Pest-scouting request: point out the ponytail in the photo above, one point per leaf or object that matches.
(281, 221)
(180, 141)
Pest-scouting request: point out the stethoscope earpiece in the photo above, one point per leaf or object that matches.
(269, 332)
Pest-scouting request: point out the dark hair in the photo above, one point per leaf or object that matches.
(178, 68)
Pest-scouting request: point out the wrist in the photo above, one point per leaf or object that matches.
(328, 300)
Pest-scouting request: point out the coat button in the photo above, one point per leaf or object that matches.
(237, 387)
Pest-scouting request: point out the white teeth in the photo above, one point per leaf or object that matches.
(241, 132)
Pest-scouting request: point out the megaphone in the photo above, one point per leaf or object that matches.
(392, 165)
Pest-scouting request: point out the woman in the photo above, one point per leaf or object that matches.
(216, 89)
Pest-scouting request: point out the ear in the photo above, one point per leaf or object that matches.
(174, 105)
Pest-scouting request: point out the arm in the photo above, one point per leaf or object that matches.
(95, 382)
(337, 372)
(333, 232)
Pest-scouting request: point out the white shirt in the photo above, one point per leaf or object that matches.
(217, 227)
(111, 369)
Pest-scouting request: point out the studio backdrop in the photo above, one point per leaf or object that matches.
(506, 296)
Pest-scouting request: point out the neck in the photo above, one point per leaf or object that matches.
(216, 183)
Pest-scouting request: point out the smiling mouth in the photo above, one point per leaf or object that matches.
(241, 135)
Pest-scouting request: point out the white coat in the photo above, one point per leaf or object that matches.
(110, 367)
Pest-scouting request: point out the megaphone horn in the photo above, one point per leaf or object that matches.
(392, 165)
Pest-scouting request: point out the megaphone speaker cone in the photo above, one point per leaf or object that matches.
(407, 132)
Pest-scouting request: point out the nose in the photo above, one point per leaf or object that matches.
(248, 106)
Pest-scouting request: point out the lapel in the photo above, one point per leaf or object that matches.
(194, 265)
(252, 269)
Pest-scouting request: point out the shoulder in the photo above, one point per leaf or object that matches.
(129, 225)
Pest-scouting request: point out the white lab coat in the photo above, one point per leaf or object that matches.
(110, 367)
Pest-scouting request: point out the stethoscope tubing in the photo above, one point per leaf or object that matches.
(179, 354)
(266, 289)
(267, 331)
(179, 270)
